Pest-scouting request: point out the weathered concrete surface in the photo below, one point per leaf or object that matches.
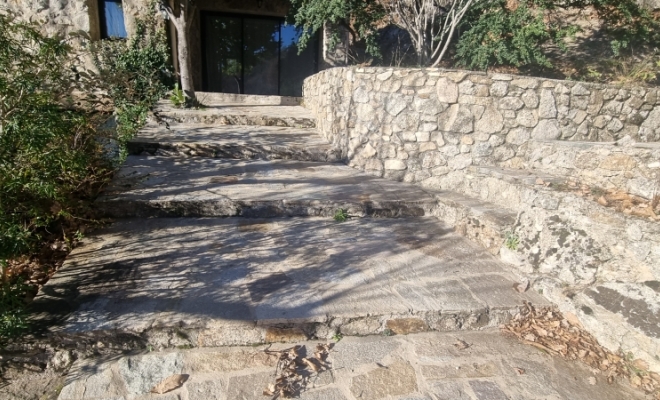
(240, 281)
(239, 114)
(165, 186)
(232, 141)
(215, 98)
(424, 366)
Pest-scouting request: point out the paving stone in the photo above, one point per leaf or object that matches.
(350, 353)
(486, 390)
(249, 387)
(451, 390)
(206, 390)
(142, 373)
(395, 379)
(226, 361)
(322, 394)
(483, 369)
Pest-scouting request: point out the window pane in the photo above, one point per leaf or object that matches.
(296, 67)
(261, 40)
(113, 19)
(223, 53)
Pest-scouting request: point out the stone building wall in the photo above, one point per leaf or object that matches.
(418, 124)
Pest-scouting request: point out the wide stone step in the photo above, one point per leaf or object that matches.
(229, 281)
(214, 98)
(232, 141)
(238, 114)
(149, 186)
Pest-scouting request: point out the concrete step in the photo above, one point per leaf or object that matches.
(238, 114)
(630, 167)
(232, 141)
(236, 281)
(155, 186)
(212, 98)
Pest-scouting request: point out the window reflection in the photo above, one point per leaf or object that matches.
(254, 55)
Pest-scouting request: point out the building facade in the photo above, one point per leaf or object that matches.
(236, 46)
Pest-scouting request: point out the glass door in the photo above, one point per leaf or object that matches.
(254, 55)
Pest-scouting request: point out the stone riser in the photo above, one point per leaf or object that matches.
(290, 331)
(257, 120)
(244, 152)
(260, 209)
(480, 222)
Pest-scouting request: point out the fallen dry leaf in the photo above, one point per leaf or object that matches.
(562, 334)
(461, 344)
(170, 383)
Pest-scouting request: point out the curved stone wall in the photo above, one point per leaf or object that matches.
(416, 124)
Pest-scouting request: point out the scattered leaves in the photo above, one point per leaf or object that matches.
(562, 334)
(461, 344)
(293, 370)
(621, 201)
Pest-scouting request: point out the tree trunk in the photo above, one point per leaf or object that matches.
(185, 66)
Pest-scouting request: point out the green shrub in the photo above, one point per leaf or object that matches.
(359, 17)
(136, 73)
(497, 35)
(49, 156)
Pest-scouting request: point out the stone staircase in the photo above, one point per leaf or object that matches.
(225, 236)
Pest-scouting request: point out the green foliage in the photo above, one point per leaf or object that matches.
(13, 319)
(496, 35)
(341, 215)
(178, 98)
(49, 158)
(358, 16)
(511, 241)
(626, 24)
(136, 73)
(46, 150)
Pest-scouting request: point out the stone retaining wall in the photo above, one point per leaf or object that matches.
(415, 124)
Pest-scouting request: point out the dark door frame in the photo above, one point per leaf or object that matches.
(242, 18)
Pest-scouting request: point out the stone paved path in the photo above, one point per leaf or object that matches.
(281, 270)
(423, 366)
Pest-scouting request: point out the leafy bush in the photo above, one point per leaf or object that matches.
(136, 73)
(359, 17)
(627, 25)
(498, 35)
(49, 158)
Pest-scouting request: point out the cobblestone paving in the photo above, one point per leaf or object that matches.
(426, 366)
